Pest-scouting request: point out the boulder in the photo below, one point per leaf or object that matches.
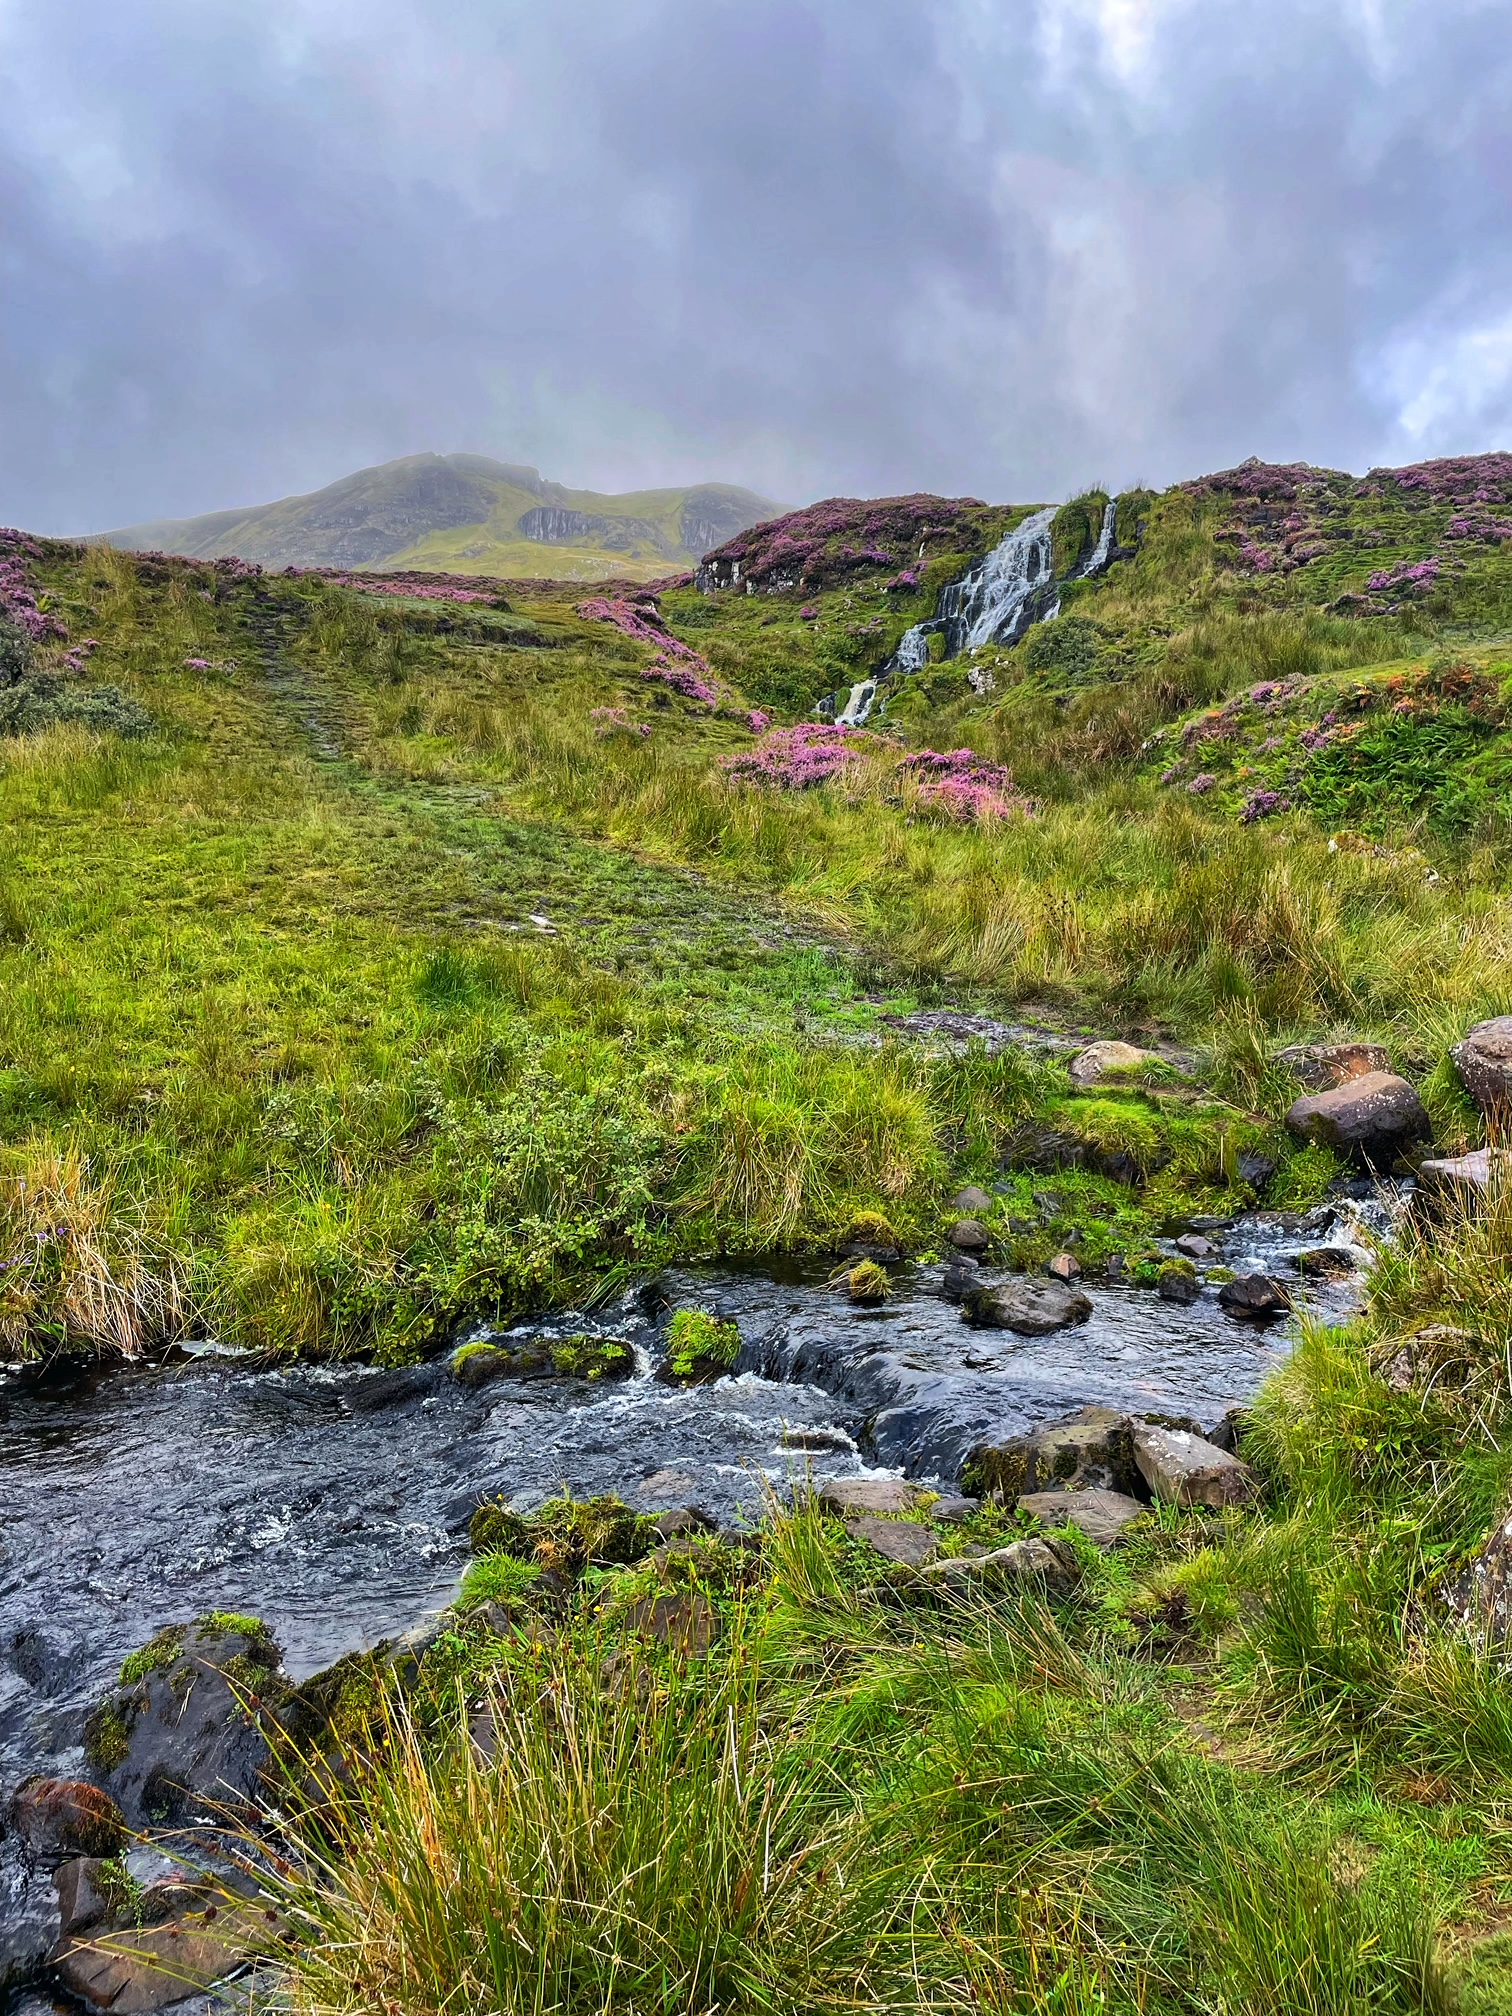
(1048, 1561)
(969, 1235)
(1091, 1449)
(1483, 1059)
(1373, 1117)
(1064, 1267)
(901, 1540)
(1100, 1515)
(1479, 1596)
(59, 1818)
(681, 1520)
(845, 1495)
(971, 1202)
(1322, 1066)
(1256, 1169)
(951, 1510)
(1326, 1263)
(1182, 1469)
(1253, 1297)
(1178, 1283)
(1032, 1308)
(1195, 1247)
(682, 1619)
(145, 1968)
(180, 1739)
(961, 1276)
(1099, 1060)
(84, 1895)
(480, 1364)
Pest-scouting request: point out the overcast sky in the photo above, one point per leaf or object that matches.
(999, 247)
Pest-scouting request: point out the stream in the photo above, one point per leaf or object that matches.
(333, 1501)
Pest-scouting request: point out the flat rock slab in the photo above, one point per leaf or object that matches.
(1472, 1175)
(1099, 1060)
(1049, 1561)
(1322, 1066)
(885, 1495)
(1373, 1116)
(1183, 1469)
(900, 1540)
(1033, 1308)
(1101, 1515)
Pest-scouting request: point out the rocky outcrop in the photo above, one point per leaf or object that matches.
(1181, 1468)
(1479, 1596)
(1033, 1308)
(1091, 1449)
(1372, 1117)
(1483, 1059)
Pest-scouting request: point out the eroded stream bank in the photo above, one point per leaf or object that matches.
(334, 1501)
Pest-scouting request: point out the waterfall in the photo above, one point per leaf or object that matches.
(1104, 545)
(858, 705)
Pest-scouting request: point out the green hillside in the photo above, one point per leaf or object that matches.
(376, 955)
(466, 514)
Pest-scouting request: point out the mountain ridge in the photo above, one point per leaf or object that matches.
(464, 513)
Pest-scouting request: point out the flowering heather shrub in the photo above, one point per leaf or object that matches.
(1270, 480)
(758, 722)
(1258, 558)
(795, 759)
(1200, 786)
(806, 546)
(1478, 524)
(18, 598)
(683, 679)
(1261, 804)
(963, 785)
(809, 612)
(675, 664)
(616, 721)
(401, 584)
(909, 578)
(1452, 479)
(1411, 577)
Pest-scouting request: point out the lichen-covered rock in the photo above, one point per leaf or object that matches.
(1048, 1561)
(1372, 1117)
(969, 1235)
(971, 1202)
(1033, 1308)
(1100, 1061)
(1479, 1596)
(1091, 1449)
(902, 1540)
(847, 1495)
(1100, 1515)
(1483, 1059)
(581, 1356)
(1182, 1469)
(1322, 1066)
(1178, 1282)
(181, 1738)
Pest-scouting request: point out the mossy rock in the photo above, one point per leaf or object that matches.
(582, 1356)
(495, 1529)
(565, 1535)
(700, 1347)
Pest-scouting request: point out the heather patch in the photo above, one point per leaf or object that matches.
(963, 785)
(797, 759)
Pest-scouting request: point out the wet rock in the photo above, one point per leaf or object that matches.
(181, 1739)
(1483, 1059)
(1194, 1246)
(1100, 1515)
(1327, 1263)
(580, 1356)
(29, 1922)
(1182, 1469)
(681, 1520)
(1048, 1561)
(84, 1895)
(1467, 1178)
(1256, 1169)
(1064, 1267)
(1033, 1308)
(1118, 1165)
(846, 1495)
(1253, 1297)
(830, 1439)
(1101, 1060)
(59, 1818)
(1230, 1430)
(1373, 1117)
(961, 1276)
(901, 1540)
(481, 1364)
(971, 1202)
(151, 1967)
(1178, 1283)
(1091, 1449)
(1322, 1066)
(666, 1483)
(969, 1235)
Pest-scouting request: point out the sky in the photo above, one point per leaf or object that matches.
(1002, 248)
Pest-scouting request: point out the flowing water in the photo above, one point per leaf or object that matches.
(334, 1501)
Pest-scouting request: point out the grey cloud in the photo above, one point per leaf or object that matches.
(810, 245)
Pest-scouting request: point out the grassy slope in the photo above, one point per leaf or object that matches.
(271, 1047)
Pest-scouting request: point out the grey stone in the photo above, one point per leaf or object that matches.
(1194, 1246)
(1032, 1308)
(1479, 1597)
(1325, 1263)
(1182, 1469)
(1468, 1177)
(1322, 1066)
(951, 1510)
(969, 1235)
(1483, 1059)
(81, 1901)
(681, 1519)
(1049, 1561)
(901, 1540)
(971, 1202)
(961, 1276)
(1372, 1117)
(1177, 1285)
(1064, 1267)
(1091, 1449)
(1100, 1515)
(845, 1495)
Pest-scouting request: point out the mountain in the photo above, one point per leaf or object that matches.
(466, 514)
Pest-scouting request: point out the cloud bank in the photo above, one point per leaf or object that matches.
(1001, 247)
